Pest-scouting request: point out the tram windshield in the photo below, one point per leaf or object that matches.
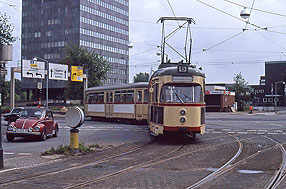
(182, 93)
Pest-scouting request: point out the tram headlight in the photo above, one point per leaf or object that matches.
(183, 119)
(183, 112)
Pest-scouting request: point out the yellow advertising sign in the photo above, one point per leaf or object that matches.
(77, 73)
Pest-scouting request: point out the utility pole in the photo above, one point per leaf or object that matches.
(47, 78)
(5, 55)
(276, 99)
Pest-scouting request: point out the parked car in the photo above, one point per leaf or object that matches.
(37, 122)
(13, 115)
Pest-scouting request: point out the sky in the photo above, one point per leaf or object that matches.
(218, 30)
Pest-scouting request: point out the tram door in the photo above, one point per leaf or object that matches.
(109, 104)
(139, 104)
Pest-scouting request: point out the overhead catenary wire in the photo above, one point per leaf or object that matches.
(255, 25)
(173, 12)
(260, 10)
(249, 15)
(272, 41)
(143, 52)
(10, 5)
(203, 50)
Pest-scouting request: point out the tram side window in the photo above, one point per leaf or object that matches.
(117, 96)
(146, 95)
(110, 97)
(139, 96)
(99, 97)
(123, 95)
(107, 97)
(155, 93)
(90, 98)
(130, 96)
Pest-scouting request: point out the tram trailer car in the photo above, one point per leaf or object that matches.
(172, 101)
(127, 101)
(177, 101)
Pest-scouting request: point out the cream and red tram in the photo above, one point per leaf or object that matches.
(127, 101)
(177, 101)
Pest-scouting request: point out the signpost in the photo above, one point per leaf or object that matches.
(58, 71)
(77, 73)
(33, 69)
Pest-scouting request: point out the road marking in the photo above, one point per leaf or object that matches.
(262, 130)
(242, 132)
(25, 154)
(261, 133)
(251, 130)
(231, 132)
(256, 121)
(226, 129)
(278, 131)
(8, 153)
(276, 125)
(273, 133)
(217, 132)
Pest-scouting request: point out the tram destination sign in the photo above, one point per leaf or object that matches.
(58, 71)
(33, 69)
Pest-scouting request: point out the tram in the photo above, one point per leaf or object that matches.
(171, 102)
(177, 101)
(127, 101)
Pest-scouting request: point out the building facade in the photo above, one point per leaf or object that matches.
(48, 26)
(272, 85)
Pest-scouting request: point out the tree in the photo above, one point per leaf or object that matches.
(241, 89)
(6, 30)
(4, 89)
(141, 77)
(93, 64)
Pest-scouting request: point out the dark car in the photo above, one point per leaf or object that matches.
(38, 122)
(13, 115)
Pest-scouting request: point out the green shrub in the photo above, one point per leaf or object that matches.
(66, 150)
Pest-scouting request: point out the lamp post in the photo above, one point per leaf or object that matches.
(47, 88)
(275, 99)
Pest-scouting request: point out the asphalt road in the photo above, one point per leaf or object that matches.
(94, 132)
(91, 132)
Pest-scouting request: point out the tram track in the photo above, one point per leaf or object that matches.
(40, 174)
(159, 160)
(220, 170)
(45, 173)
(274, 181)
(280, 174)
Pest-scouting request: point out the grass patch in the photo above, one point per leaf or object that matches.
(66, 150)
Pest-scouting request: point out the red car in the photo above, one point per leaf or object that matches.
(37, 122)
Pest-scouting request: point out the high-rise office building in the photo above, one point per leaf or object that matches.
(48, 26)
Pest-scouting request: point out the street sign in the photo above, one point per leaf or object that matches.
(33, 69)
(58, 71)
(77, 73)
(4, 71)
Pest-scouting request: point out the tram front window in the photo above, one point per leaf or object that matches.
(181, 93)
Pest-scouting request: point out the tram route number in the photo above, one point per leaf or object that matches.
(182, 69)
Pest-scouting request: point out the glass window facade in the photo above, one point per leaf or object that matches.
(48, 26)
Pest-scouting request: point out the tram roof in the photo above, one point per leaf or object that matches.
(123, 86)
(174, 71)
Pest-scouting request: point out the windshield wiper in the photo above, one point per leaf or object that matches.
(179, 97)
